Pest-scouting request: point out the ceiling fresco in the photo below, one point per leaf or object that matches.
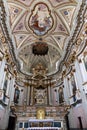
(40, 20)
(49, 21)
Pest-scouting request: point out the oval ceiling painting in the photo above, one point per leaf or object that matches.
(40, 20)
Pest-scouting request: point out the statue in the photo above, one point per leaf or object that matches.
(40, 114)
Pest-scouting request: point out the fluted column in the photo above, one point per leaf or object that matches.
(50, 93)
(8, 84)
(12, 90)
(67, 93)
(28, 94)
(83, 70)
(70, 87)
(31, 95)
(47, 95)
(2, 74)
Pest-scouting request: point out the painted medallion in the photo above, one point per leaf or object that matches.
(40, 20)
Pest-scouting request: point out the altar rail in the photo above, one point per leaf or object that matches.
(44, 128)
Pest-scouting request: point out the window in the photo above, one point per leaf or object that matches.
(26, 125)
(20, 125)
(57, 124)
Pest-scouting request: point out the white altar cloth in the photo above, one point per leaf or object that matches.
(44, 128)
(41, 120)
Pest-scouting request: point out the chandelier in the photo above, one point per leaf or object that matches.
(40, 48)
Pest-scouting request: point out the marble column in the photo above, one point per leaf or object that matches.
(11, 90)
(2, 74)
(66, 90)
(75, 80)
(80, 82)
(49, 91)
(8, 84)
(31, 95)
(47, 95)
(83, 70)
(28, 94)
(70, 87)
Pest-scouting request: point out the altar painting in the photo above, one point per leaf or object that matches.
(40, 96)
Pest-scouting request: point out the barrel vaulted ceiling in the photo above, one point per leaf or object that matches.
(62, 15)
(41, 21)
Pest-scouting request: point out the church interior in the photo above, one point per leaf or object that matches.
(43, 64)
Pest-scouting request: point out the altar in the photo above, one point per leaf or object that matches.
(41, 122)
(41, 118)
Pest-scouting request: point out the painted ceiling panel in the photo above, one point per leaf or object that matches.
(21, 24)
(58, 2)
(60, 27)
(60, 39)
(29, 40)
(19, 38)
(51, 41)
(68, 13)
(14, 12)
(25, 2)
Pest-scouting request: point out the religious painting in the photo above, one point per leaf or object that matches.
(73, 83)
(61, 96)
(40, 96)
(5, 84)
(40, 20)
(5, 89)
(16, 95)
(85, 62)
